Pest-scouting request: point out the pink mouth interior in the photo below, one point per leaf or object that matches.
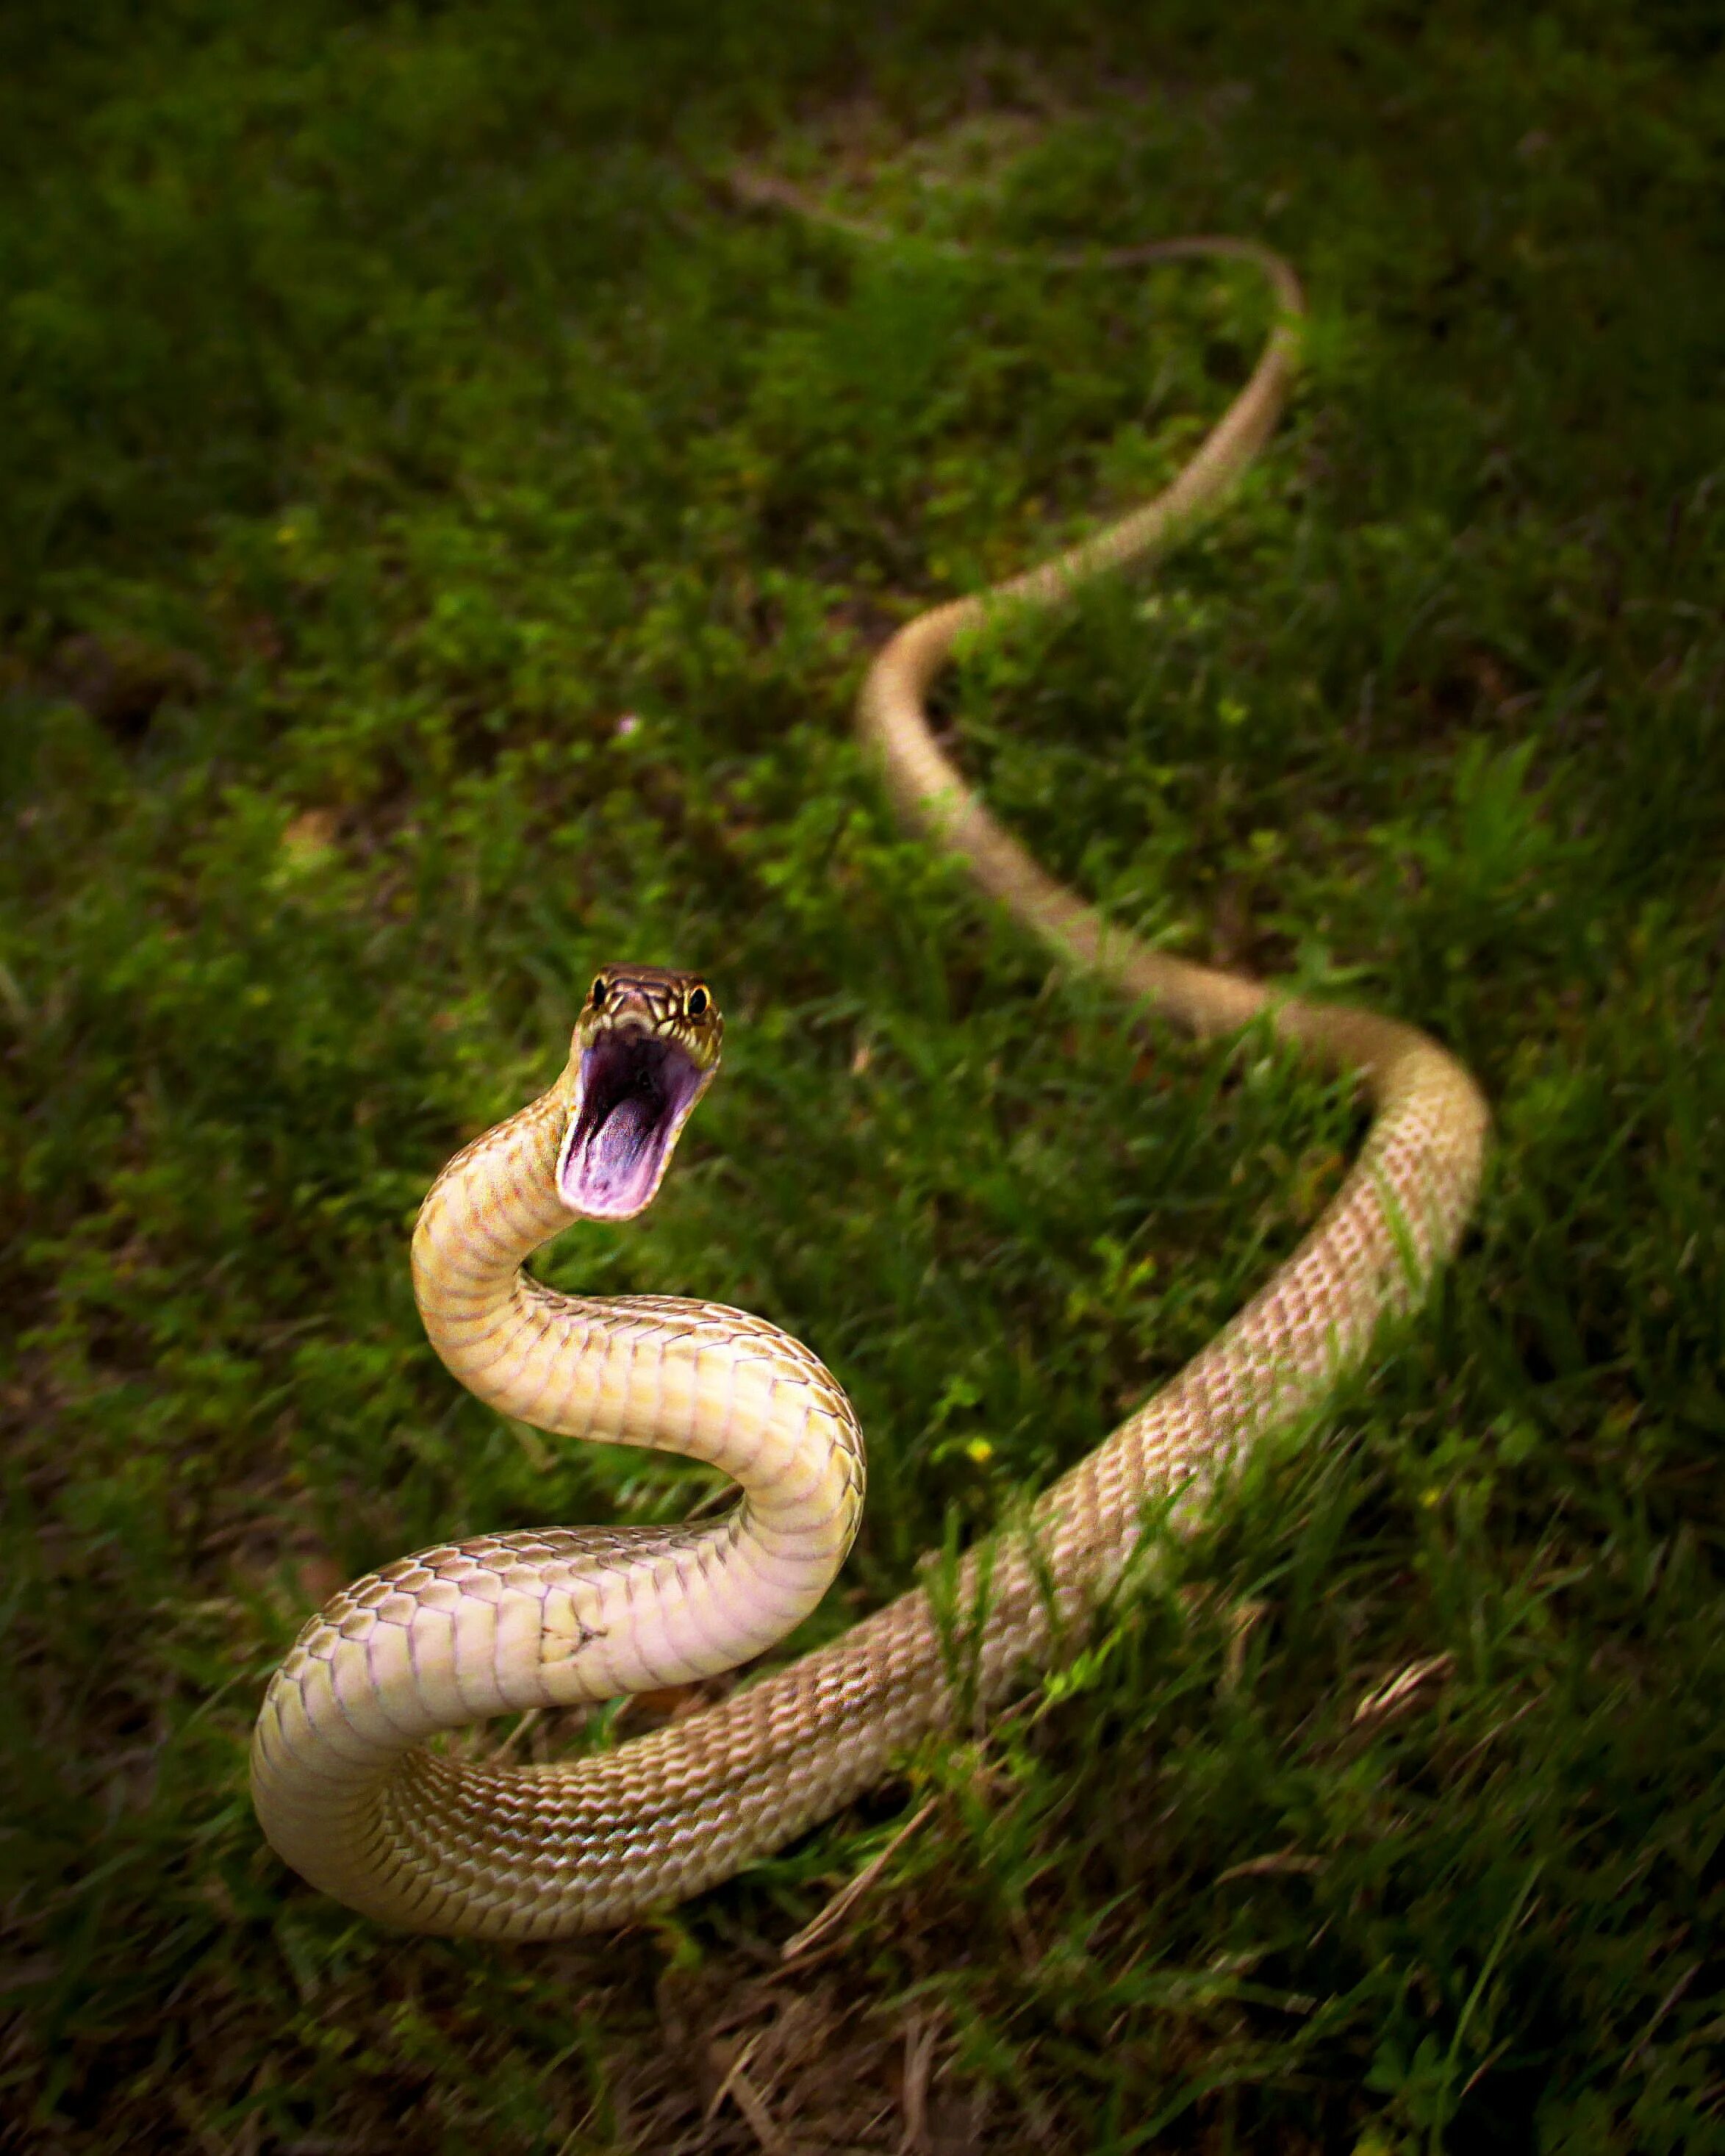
(636, 1093)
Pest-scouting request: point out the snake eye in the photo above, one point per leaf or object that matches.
(696, 1003)
(597, 998)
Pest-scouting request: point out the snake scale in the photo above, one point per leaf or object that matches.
(344, 1784)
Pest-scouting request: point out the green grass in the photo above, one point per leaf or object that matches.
(394, 403)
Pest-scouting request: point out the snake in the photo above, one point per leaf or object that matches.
(349, 1787)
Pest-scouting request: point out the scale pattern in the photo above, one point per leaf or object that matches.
(344, 1785)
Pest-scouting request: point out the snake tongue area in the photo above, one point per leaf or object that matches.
(635, 1095)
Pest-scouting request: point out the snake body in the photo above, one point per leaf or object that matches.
(343, 1783)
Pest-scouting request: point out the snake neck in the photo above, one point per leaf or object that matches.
(490, 1209)
(713, 1384)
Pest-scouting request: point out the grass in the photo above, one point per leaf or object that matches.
(441, 536)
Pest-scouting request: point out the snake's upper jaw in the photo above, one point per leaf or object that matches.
(634, 1089)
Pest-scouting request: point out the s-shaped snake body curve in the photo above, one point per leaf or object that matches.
(344, 1786)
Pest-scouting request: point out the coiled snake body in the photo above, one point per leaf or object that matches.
(343, 1784)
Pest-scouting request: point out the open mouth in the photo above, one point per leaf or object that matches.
(636, 1092)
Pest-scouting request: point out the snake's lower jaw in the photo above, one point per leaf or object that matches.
(633, 1092)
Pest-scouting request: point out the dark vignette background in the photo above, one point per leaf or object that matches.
(439, 539)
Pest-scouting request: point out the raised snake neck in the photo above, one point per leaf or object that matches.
(344, 1786)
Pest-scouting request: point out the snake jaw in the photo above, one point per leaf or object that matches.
(634, 1089)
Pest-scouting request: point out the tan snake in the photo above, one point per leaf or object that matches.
(344, 1785)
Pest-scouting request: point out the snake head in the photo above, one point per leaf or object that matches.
(645, 1048)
